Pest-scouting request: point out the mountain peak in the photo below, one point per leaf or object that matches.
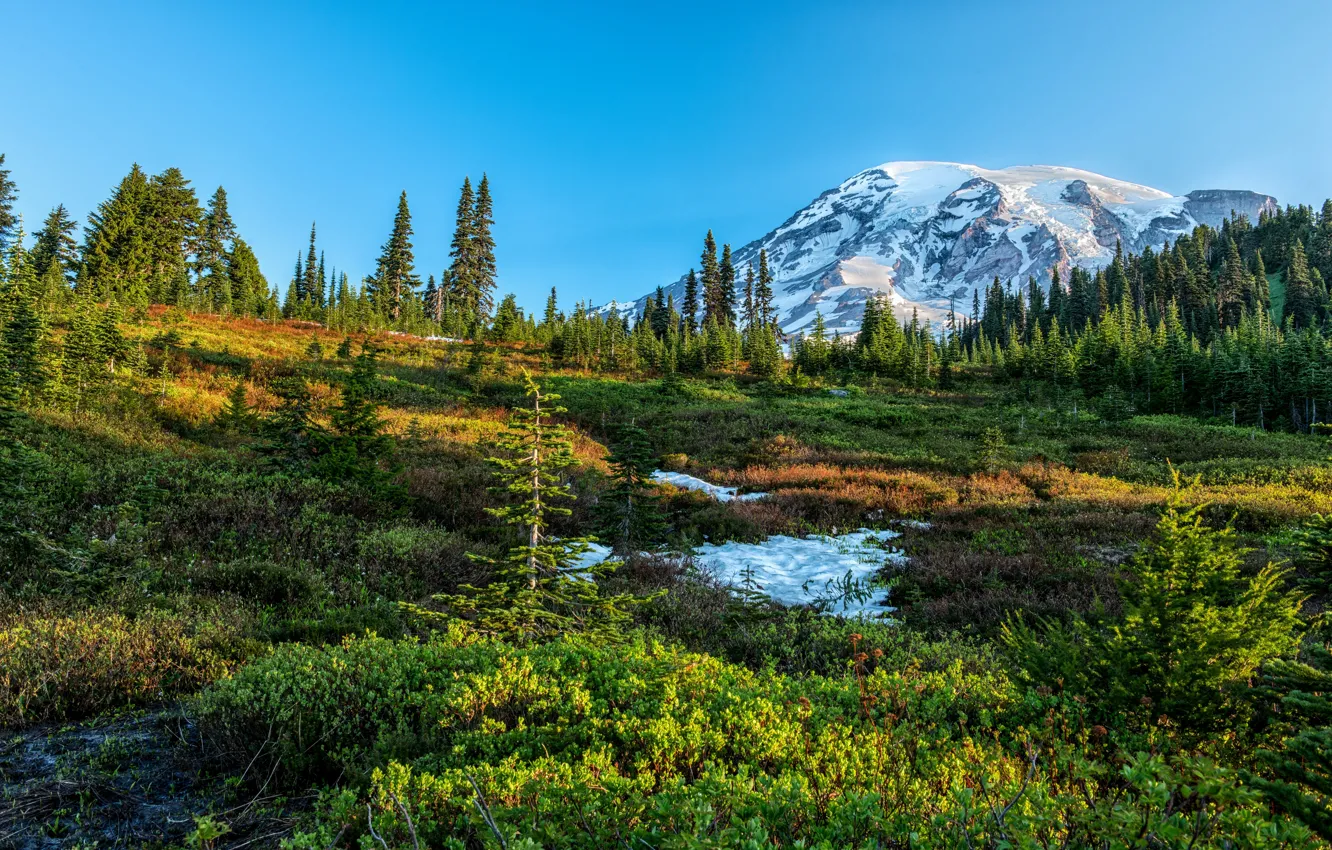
(925, 233)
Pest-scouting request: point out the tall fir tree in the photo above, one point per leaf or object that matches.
(216, 232)
(763, 291)
(55, 244)
(8, 195)
(691, 304)
(1301, 301)
(116, 254)
(483, 249)
(395, 277)
(460, 281)
(713, 302)
(726, 288)
(313, 290)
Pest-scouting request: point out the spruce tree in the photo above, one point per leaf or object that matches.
(82, 361)
(629, 511)
(8, 195)
(354, 447)
(544, 588)
(661, 317)
(461, 278)
(312, 290)
(483, 249)
(117, 256)
(395, 276)
(691, 304)
(763, 291)
(236, 414)
(216, 232)
(10, 396)
(248, 286)
(750, 318)
(1301, 302)
(55, 245)
(726, 289)
(711, 281)
(171, 220)
(25, 341)
(1299, 774)
(551, 315)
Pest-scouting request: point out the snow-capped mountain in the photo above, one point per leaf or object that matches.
(925, 232)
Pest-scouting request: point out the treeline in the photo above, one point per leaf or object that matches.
(152, 242)
(1231, 321)
(458, 305)
(725, 322)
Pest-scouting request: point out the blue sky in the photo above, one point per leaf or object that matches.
(616, 134)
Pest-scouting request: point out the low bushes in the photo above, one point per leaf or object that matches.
(453, 742)
(55, 668)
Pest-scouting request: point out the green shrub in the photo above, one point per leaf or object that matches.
(569, 745)
(55, 668)
(1194, 629)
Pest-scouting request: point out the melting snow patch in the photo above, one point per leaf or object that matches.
(716, 491)
(808, 570)
(913, 523)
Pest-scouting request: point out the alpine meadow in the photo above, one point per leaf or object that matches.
(969, 507)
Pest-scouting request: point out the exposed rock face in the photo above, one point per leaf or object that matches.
(927, 232)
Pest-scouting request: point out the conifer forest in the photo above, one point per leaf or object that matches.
(322, 557)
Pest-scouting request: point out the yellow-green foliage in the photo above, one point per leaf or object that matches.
(68, 667)
(581, 746)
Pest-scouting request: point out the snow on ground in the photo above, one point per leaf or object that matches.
(595, 554)
(834, 570)
(426, 338)
(716, 491)
(804, 570)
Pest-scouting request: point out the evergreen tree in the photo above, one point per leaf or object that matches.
(8, 195)
(1301, 301)
(82, 361)
(117, 257)
(55, 245)
(355, 447)
(551, 317)
(171, 219)
(461, 278)
(291, 434)
(312, 289)
(395, 276)
(216, 232)
(543, 588)
(248, 286)
(25, 342)
(713, 302)
(236, 414)
(763, 291)
(1300, 772)
(750, 318)
(691, 304)
(483, 248)
(726, 289)
(629, 511)
(10, 395)
(1194, 629)
(661, 317)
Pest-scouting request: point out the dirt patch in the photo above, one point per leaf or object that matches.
(130, 781)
